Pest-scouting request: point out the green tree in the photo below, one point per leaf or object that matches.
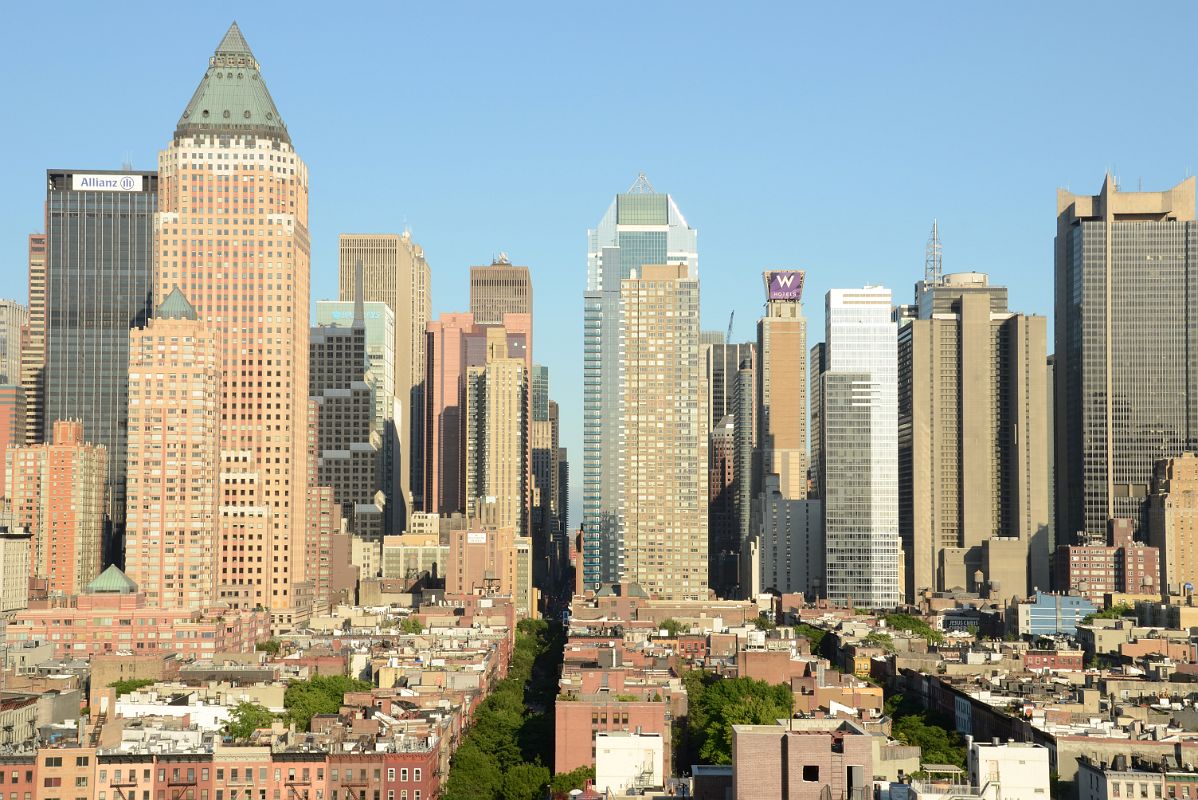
(671, 626)
(880, 639)
(716, 704)
(524, 782)
(127, 685)
(1117, 611)
(915, 625)
(321, 694)
(933, 733)
(764, 623)
(564, 782)
(271, 646)
(245, 718)
(411, 625)
(474, 774)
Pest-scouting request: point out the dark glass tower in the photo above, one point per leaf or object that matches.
(99, 285)
(1126, 368)
(349, 451)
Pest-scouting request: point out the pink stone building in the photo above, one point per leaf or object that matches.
(111, 616)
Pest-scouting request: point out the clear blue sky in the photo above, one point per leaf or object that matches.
(824, 136)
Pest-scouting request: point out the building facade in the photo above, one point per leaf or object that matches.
(859, 445)
(99, 286)
(395, 272)
(972, 438)
(56, 491)
(1123, 302)
(350, 449)
(14, 570)
(640, 227)
(171, 546)
(232, 233)
(781, 446)
(14, 320)
(33, 349)
(499, 289)
(1173, 521)
(663, 433)
(497, 469)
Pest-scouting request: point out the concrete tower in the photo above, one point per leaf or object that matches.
(663, 429)
(973, 482)
(232, 233)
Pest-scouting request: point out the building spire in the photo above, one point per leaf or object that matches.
(641, 185)
(232, 98)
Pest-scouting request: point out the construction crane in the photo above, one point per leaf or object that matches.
(731, 317)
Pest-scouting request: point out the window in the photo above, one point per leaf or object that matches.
(54, 761)
(403, 774)
(52, 782)
(416, 774)
(810, 773)
(81, 761)
(391, 774)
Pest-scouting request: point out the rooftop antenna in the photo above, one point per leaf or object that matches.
(731, 317)
(641, 185)
(127, 163)
(933, 266)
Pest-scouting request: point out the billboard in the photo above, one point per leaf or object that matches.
(784, 284)
(106, 183)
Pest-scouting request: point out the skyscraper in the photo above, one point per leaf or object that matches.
(232, 233)
(663, 429)
(782, 385)
(395, 272)
(499, 289)
(497, 469)
(860, 449)
(455, 346)
(1173, 521)
(1125, 344)
(721, 361)
(57, 492)
(723, 541)
(972, 441)
(640, 227)
(174, 462)
(33, 349)
(380, 370)
(14, 319)
(349, 445)
(99, 285)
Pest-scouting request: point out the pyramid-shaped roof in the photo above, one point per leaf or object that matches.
(112, 581)
(176, 306)
(232, 98)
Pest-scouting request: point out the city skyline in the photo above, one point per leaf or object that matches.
(450, 167)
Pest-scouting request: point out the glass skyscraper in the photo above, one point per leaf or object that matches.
(860, 449)
(99, 286)
(1126, 367)
(641, 227)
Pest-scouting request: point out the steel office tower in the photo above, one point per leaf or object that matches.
(641, 227)
(1126, 366)
(232, 233)
(99, 281)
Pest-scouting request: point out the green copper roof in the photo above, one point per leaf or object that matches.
(232, 98)
(175, 306)
(112, 581)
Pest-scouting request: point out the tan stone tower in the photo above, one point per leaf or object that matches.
(395, 272)
(973, 441)
(663, 420)
(232, 233)
(173, 457)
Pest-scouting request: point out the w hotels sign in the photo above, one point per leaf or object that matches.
(784, 284)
